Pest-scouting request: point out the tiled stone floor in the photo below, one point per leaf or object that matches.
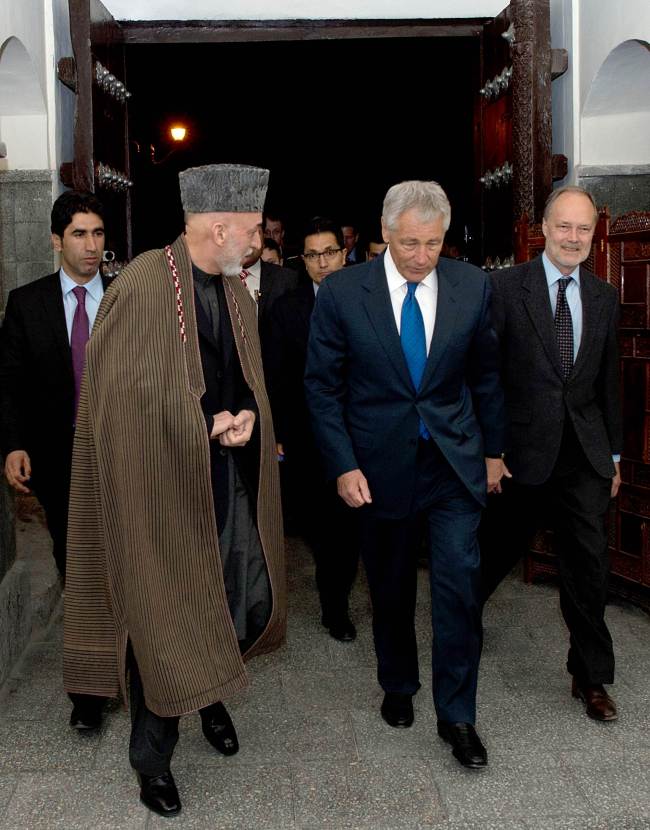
(315, 754)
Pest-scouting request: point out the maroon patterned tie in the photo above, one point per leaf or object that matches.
(78, 339)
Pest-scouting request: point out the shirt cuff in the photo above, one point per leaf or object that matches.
(616, 458)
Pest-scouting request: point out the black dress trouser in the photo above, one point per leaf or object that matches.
(573, 503)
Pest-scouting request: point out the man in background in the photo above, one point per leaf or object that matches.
(328, 525)
(42, 353)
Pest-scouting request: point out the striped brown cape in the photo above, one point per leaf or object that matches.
(143, 558)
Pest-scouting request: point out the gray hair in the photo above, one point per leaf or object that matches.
(569, 188)
(427, 198)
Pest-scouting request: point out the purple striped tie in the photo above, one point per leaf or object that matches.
(78, 339)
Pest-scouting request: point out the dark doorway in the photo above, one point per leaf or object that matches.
(336, 121)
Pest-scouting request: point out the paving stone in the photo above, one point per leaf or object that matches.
(256, 796)
(376, 739)
(7, 787)
(613, 783)
(315, 752)
(306, 646)
(510, 792)
(61, 801)
(399, 794)
(500, 824)
(615, 822)
(279, 735)
(331, 690)
(28, 746)
(43, 659)
(549, 726)
(28, 698)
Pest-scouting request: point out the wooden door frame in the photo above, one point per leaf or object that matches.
(531, 88)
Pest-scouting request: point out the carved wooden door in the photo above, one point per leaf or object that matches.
(96, 73)
(512, 124)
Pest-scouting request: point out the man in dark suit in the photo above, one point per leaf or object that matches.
(557, 325)
(326, 522)
(403, 386)
(42, 349)
(266, 283)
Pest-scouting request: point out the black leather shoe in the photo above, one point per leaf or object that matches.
(85, 718)
(397, 710)
(466, 744)
(218, 729)
(159, 793)
(342, 629)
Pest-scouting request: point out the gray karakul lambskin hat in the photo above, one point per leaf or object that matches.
(223, 188)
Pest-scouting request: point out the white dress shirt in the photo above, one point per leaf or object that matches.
(94, 293)
(426, 294)
(574, 301)
(253, 280)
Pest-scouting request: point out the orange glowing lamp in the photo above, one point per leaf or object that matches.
(178, 133)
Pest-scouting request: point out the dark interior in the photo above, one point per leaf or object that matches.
(336, 121)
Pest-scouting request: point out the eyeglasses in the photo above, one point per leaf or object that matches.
(328, 253)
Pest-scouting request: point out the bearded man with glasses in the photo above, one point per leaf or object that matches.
(327, 524)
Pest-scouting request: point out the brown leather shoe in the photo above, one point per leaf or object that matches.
(598, 703)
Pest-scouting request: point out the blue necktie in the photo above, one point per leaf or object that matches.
(414, 342)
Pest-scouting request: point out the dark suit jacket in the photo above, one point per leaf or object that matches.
(274, 282)
(36, 380)
(285, 363)
(365, 410)
(537, 399)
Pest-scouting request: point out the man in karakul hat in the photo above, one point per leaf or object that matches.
(175, 557)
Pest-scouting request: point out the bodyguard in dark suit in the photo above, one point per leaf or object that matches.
(403, 386)
(41, 361)
(329, 526)
(266, 283)
(557, 326)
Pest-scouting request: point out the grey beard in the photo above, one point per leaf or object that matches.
(231, 269)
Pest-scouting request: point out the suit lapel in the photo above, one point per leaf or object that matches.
(592, 308)
(380, 313)
(538, 306)
(306, 301)
(266, 288)
(52, 299)
(447, 309)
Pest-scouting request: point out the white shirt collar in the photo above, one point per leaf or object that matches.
(396, 280)
(554, 274)
(255, 270)
(95, 286)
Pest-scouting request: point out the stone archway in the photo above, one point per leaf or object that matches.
(615, 125)
(23, 114)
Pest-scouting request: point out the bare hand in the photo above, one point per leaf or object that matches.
(222, 421)
(616, 480)
(353, 488)
(240, 431)
(496, 470)
(18, 469)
